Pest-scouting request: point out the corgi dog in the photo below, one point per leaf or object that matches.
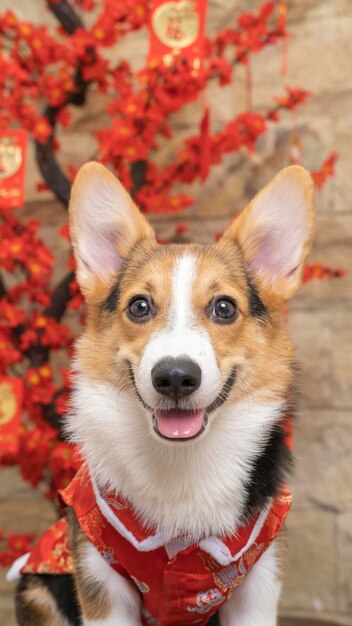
(183, 386)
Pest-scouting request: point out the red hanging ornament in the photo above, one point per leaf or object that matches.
(282, 24)
(177, 29)
(249, 85)
(11, 398)
(12, 161)
(205, 144)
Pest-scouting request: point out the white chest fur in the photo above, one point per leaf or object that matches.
(195, 489)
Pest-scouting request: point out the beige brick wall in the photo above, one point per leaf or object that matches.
(318, 568)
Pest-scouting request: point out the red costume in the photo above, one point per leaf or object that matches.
(180, 583)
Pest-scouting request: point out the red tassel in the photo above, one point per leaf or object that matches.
(205, 146)
(249, 85)
(282, 23)
(12, 167)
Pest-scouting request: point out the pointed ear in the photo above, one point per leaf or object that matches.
(105, 225)
(275, 231)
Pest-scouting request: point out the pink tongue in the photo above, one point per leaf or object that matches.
(179, 424)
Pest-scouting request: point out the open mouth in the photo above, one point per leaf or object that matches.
(179, 423)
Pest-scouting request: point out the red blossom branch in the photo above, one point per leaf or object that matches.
(326, 171)
(319, 272)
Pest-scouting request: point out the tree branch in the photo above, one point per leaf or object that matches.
(3, 291)
(60, 297)
(138, 173)
(51, 171)
(47, 163)
(67, 17)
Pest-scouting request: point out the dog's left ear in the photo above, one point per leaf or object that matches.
(275, 231)
(105, 225)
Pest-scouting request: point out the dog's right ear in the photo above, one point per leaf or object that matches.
(105, 224)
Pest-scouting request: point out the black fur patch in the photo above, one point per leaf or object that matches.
(110, 304)
(256, 306)
(269, 471)
(214, 620)
(62, 588)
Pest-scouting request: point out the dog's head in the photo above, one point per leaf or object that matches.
(185, 329)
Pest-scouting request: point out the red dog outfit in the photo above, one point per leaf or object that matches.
(180, 583)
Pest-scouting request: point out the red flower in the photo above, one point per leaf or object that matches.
(221, 68)
(181, 228)
(64, 118)
(40, 388)
(42, 130)
(319, 272)
(64, 462)
(327, 170)
(12, 315)
(293, 99)
(9, 353)
(41, 186)
(19, 543)
(14, 545)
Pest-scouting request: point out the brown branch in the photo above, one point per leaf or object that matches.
(67, 17)
(60, 297)
(51, 171)
(47, 163)
(3, 290)
(138, 174)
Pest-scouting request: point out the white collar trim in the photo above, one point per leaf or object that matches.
(219, 550)
(212, 545)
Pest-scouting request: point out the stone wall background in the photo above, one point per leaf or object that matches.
(318, 564)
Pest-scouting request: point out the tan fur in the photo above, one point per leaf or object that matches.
(145, 274)
(93, 598)
(263, 351)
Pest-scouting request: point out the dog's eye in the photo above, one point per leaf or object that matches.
(224, 310)
(139, 309)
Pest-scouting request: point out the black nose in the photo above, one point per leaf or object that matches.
(176, 377)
